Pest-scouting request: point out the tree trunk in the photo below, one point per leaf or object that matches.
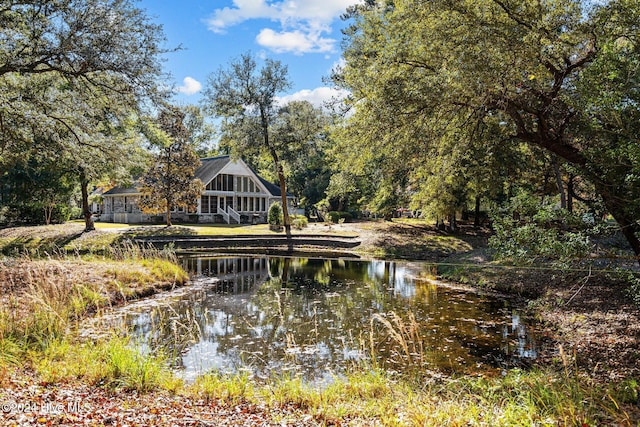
(559, 183)
(48, 213)
(283, 193)
(627, 225)
(570, 192)
(453, 224)
(168, 215)
(476, 218)
(86, 212)
(279, 171)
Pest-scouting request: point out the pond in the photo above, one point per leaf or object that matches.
(318, 317)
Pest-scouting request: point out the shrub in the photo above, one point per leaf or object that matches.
(335, 217)
(299, 221)
(275, 216)
(527, 231)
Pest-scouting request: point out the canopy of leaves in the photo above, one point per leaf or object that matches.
(65, 63)
(559, 75)
(171, 182)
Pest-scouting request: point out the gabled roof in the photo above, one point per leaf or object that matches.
(271, 188)
(116, 191)
(210, 167)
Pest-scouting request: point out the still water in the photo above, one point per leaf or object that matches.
(316, 317)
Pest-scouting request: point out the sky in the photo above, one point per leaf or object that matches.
(302, 34)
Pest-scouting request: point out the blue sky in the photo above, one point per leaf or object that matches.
(303, 34)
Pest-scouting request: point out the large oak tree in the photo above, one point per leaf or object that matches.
(244, 96)
(72, 72)
(559, 75)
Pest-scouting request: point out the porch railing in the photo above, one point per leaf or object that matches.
(225, 215)
(233, 214)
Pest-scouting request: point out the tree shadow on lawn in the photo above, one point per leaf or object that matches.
(37, 246)
(159, 231)
(426, 242)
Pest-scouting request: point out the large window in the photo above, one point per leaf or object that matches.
(209, 204)
(222, 182)
(247, 185)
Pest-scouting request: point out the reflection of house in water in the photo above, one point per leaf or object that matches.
(235, 275)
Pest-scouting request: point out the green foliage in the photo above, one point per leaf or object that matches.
(485, 78)
(344, 191)
(526, 232)
(337, 217)
(274, 216)
(71, 81)
(170, 183)
(231, 389)
(299, 222)
(632, 279)
(37, 190)
(300, 131)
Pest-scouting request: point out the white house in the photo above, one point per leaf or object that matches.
(233, 194)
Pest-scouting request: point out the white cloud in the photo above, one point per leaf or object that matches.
(319, 97)
(302, 22)
(189, 86)
(297, 41)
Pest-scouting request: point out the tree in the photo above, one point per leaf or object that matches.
(70, 72)
(37, 190)
(171, 182)
(201, 132)
(300, 134)
(532, 66)
(245, 97)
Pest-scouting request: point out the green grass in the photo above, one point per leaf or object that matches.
(113, 362)
(364, 396)
(214, 229)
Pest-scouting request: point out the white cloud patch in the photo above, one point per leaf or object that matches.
(190, 86)
(319, 97)
(297, 41)
(303, 23)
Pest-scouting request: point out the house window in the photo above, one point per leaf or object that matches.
(204, 204)
(222, 182)
(209, 204)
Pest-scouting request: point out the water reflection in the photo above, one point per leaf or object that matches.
(317, 316)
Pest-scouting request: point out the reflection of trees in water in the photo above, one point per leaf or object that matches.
(317, 313)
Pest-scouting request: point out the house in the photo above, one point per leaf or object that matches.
(233, 194)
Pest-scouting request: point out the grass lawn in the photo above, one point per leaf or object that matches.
(223, 229)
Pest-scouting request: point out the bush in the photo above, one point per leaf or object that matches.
(275, 215)
(335, 216)
(75, 212)
(33, 213)
(526, 231)
(299, 221)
